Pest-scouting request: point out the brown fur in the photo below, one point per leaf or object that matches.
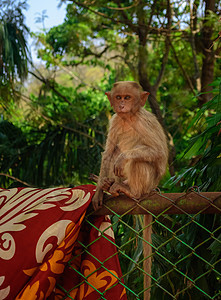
(136, 145)
(135, 156)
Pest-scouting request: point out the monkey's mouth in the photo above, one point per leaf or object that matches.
(123, 108)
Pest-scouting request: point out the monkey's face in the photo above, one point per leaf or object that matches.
(125, 99)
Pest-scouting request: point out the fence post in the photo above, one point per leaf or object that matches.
(147, 251)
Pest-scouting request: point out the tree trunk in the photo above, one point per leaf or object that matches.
(144, 81)
(208, 56)
(143, 78)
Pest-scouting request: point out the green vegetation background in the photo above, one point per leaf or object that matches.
(54, 115)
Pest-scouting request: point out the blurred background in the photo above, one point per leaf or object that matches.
(58, 58)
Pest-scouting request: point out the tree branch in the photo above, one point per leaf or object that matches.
(167, 46)
(48, 83)
(88, 52)
(193, 17)
(136, 2)
(152, 12)
(126, 21)
(14, 178)
(101, 14)
(83, 134)
(182, 69)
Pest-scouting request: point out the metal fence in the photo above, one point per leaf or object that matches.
(181, 257)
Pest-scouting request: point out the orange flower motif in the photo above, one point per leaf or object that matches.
(96, 280)
(56, 262)
(73, 293)
(50, 289)
(70, 238)
(30, 272)
(30, 292)
(60, 256)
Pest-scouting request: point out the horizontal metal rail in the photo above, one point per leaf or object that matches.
(192, 202)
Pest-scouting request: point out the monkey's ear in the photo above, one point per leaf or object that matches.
(109, 97)
(143, 98)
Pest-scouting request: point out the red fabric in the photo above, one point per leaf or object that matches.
(41, 237)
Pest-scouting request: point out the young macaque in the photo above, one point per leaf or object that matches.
(136, 153)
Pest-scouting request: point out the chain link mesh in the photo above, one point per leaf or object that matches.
(185, 256)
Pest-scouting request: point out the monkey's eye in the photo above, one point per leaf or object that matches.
(118, 97)
(127, 97)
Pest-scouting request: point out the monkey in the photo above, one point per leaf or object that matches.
(135, 156)
(136, 151)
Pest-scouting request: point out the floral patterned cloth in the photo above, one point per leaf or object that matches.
(42, 234)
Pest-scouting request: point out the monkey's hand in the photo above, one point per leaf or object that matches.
(106, 184)
(120, 164)
(118, 188)
(97, 199)
(115, 189)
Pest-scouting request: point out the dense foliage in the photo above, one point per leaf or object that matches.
(14, 53)
(55, 133)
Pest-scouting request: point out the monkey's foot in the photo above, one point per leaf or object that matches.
(117, 188)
